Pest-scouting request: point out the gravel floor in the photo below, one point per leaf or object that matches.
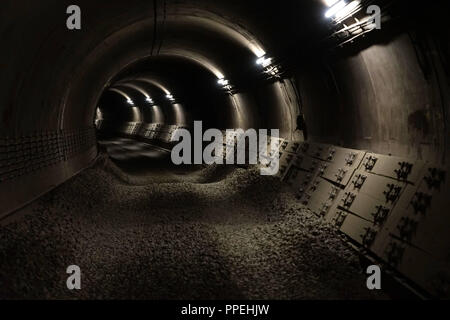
(237, 238)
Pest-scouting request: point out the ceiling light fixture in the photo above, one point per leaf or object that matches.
(335, 9)
(223, 82)
(170, 97)
(330, 3)
(264, 62)
(347, 10)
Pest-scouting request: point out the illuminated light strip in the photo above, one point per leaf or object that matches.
(335, 9)
(347, 10)
(263, 61)
(330, 3)
(223, 82)
(170, 97)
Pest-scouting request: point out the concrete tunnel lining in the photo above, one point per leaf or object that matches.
(382, 100)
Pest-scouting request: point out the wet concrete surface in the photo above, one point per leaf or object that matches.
(197, 236)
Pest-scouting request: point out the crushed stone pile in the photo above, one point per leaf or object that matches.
(243, 236)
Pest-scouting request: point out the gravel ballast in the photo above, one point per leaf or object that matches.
(242, 237)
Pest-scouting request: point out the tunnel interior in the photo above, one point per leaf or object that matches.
(358, 91)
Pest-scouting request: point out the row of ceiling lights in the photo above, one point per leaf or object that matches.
(352, 20)
(338, 10)
(265, 62)
(150, 101)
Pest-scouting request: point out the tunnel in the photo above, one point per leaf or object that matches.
(350, 99)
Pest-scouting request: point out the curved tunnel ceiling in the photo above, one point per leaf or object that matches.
(219, 25)
(149, 81)
(84, 65)
(197, 52)
(199, 16)
(122, 93)
(225, 19)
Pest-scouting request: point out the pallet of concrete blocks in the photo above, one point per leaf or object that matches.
(307, 163)
(298, 179)
(340, 164)
(360, 230)
(274, 145)
(149, 132)
(365, 205)
(264, 155)
(320, 195)
(230, 155)
(270, 161)
(158, 128)
(172, 131)
(251, 150)
(423, 270)
(284, 161)
(166, 133)
(421, 217)
(301, 172)
(253, 154)
(129, 128)
(315, 150)
(142, 129)
(133, 127)
(137, 126)
(290, 146)
(371, 195)
(402, 169)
